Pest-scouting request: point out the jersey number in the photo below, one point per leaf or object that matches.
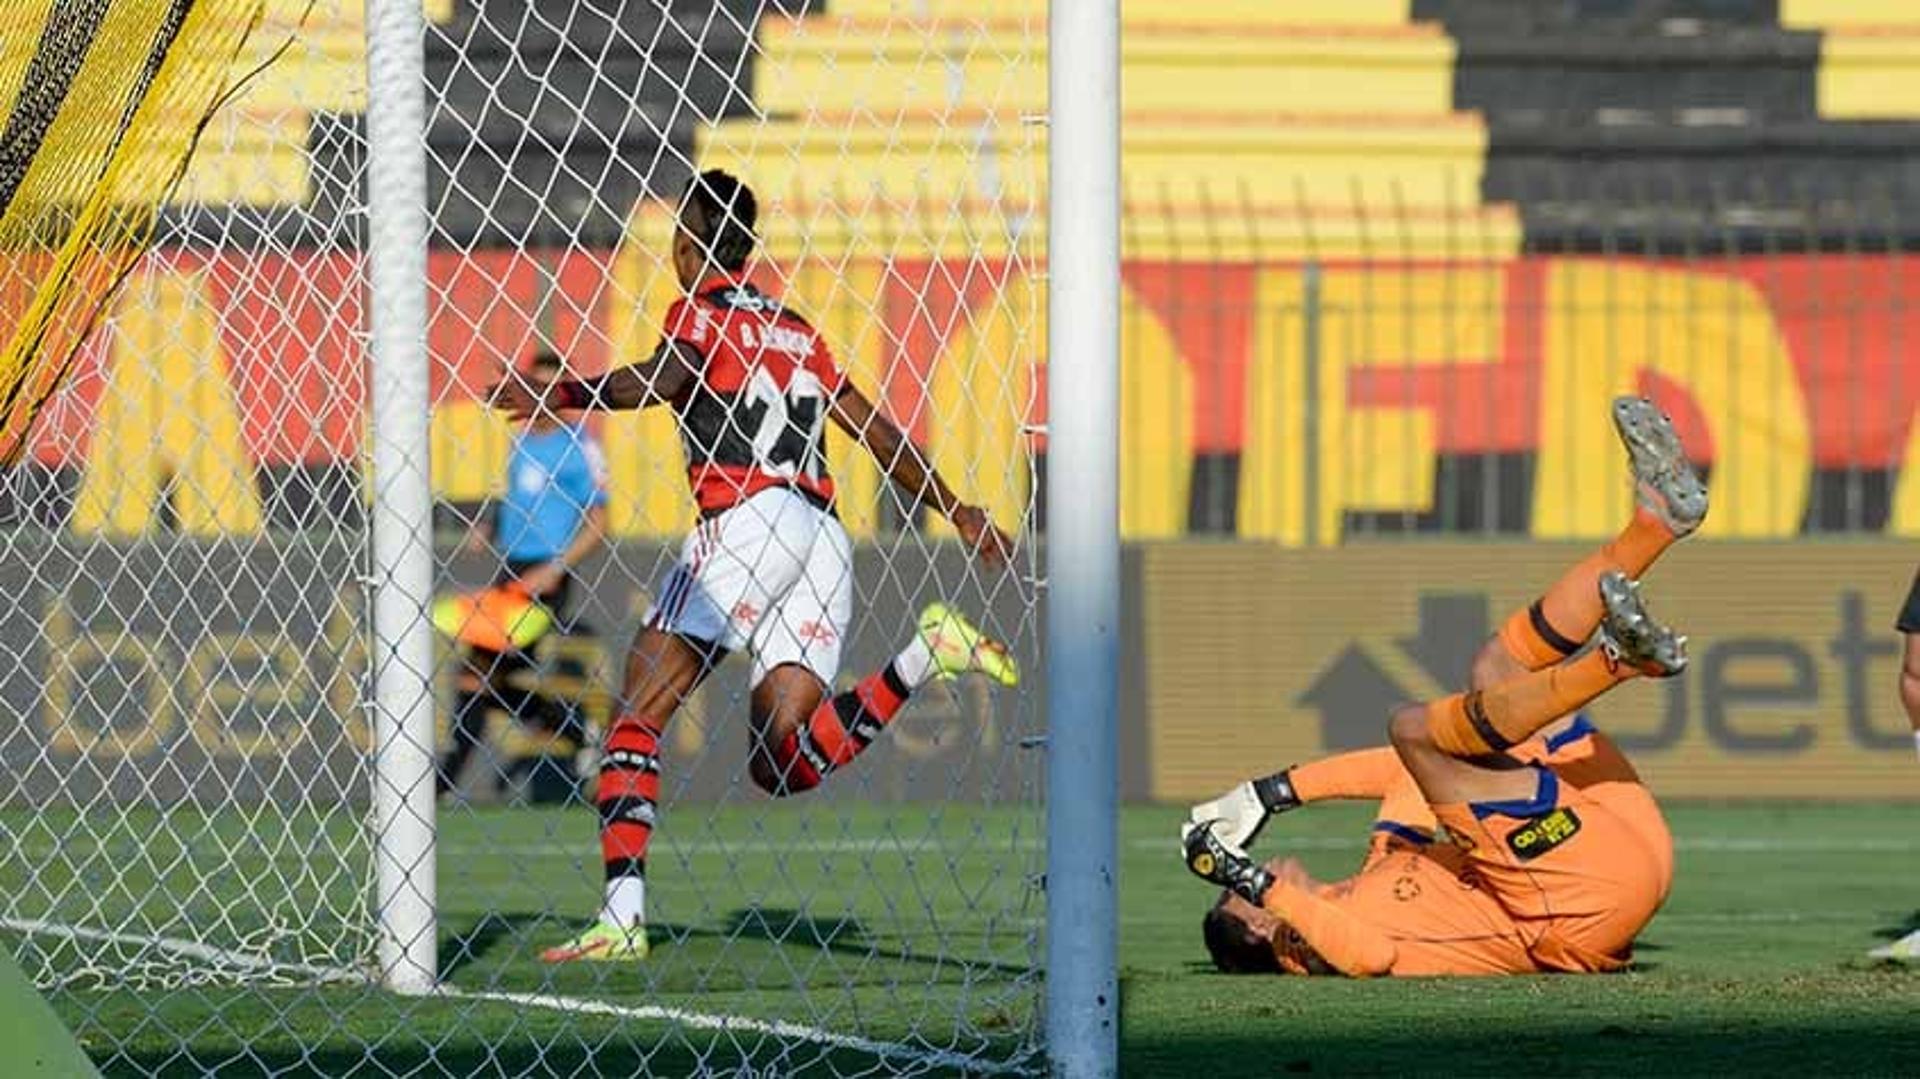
(786, 426)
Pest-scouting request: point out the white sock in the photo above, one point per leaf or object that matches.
(626, 902)
(914, 665)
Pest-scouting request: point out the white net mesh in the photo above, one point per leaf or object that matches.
(187, 861)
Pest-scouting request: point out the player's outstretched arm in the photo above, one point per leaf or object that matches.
(1239, 814)
(662, 377)
(907, 466)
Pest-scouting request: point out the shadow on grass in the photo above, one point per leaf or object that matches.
(673, 1056)
(781, 926)
(462, 948)
(1895, 932)
(1520, 1044)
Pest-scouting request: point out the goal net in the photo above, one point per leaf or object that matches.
(188, 848)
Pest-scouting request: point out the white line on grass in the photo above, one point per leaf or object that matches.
(687, 850)
(690, 849)
(206, 953)
(229, 961)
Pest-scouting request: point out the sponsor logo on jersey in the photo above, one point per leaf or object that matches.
(746, 299)
(1544, 834)
(814, 632)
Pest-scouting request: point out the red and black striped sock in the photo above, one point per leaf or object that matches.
(628, 796)
(838, 731)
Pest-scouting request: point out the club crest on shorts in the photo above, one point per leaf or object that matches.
(814, 632)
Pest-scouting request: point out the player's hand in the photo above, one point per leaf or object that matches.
(985, 538)
(1220, 863)
(1236, 816)
(518, 394)
(542, 579)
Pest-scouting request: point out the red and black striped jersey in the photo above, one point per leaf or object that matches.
(756, 417)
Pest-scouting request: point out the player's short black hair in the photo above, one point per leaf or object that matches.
(546, 360)
(728, 213)
(1234, 946)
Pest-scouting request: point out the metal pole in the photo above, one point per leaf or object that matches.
(1083, 536)
(402, 584)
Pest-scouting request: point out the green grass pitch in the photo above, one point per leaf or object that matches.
(1754, 968)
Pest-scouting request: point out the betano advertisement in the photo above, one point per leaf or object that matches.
(1257, 657)
(239, 669)
(1337, 393)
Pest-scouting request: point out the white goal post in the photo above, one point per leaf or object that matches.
(271, 815)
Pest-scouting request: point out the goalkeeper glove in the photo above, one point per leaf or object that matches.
(1212, 860)
(1238, 815)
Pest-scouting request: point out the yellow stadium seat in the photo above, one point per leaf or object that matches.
(1824, 14)
(1151, 229)
(307, 57)
(886, 68)
(1219, 12)
(1425, 162)
(1870, 76)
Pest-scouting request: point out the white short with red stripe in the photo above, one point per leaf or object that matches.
(772, 575)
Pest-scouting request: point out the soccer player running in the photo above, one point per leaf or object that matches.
(1558, 855)
(769, 568)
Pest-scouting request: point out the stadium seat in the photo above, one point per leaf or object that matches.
(1219, 12)
(307, 58)
(885, 67)
(1871, 74)
(1232, 158)
(1834, 14)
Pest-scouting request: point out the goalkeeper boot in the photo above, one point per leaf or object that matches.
(602, 942)
(1665, 481)
(1906, 948)
(1629, 634)
(1214, 861)
(959, 647)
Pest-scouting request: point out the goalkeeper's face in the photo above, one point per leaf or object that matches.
(1240, 936)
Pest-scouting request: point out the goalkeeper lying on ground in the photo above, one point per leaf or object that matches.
(1554, 856)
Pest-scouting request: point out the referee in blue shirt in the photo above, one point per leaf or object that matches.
(553, 515)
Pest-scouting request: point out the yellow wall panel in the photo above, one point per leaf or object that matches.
(1715, 337)
(981, 398)
(168, 425)
(1156, 426)
(1362, 457)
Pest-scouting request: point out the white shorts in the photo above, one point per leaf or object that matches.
(772, 575)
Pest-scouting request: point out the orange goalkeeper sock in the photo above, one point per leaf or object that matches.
(1493, 719)
(1554, 626)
